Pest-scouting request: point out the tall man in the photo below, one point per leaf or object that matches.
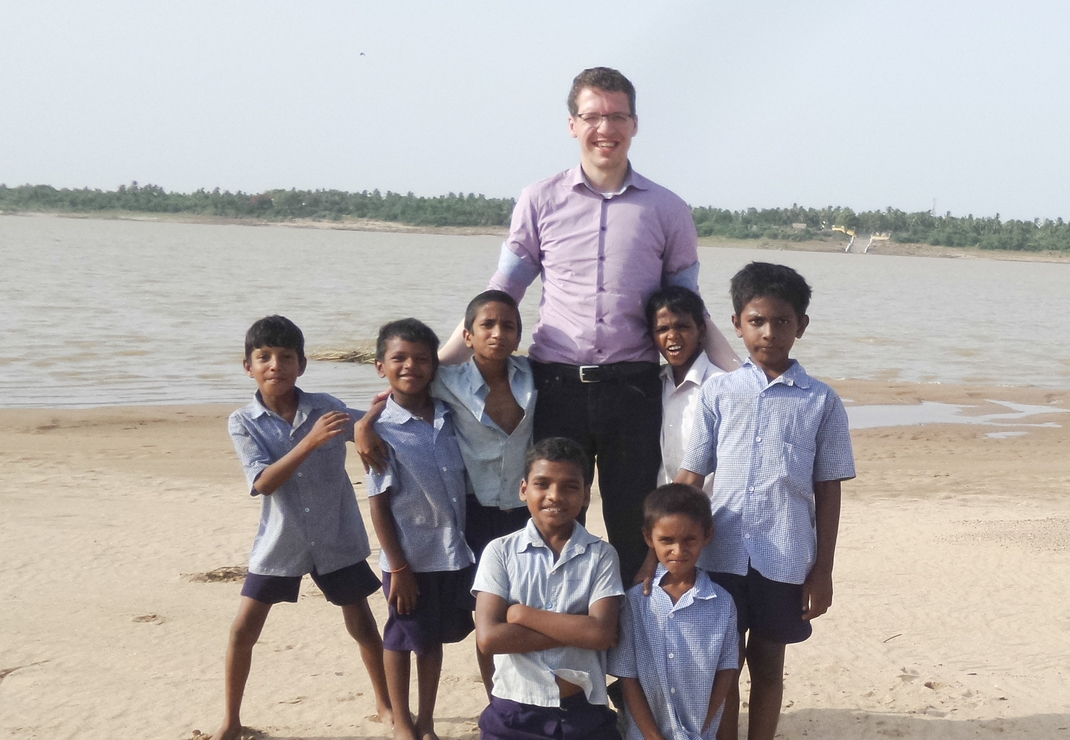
(603, 238)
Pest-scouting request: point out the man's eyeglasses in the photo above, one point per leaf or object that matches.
(594, 120)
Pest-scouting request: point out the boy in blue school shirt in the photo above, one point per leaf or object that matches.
(292, 446)
(547, 607)
(492, 397)
(679, 648)
(779, 445)
(418, 510)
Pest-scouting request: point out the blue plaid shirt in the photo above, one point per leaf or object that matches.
(675, 650)
(768, 442)
(311, 520)
(428, 485)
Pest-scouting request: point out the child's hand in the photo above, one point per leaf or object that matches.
(370, 446)
(403, 591)
(816, 594)
(327, 427)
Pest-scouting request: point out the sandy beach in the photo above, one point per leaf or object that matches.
(951, 617)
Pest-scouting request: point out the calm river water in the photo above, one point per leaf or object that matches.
(125, 312)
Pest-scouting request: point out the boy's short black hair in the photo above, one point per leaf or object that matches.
(600, 78)
(760, 279)
(274, 331)
(408, 330)
(559, 449)
(490, 296)
(676, 498)
(680, 301)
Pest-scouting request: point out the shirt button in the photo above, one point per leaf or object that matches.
(443, 469)
(672, 655)
(746, 536)
(751, 489)
(672, 616)
(306, 511)
(672, 690)
(312, 543)
(300, 474)
(757, 439)
(452, 499)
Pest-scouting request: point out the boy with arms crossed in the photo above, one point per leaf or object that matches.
(292, 446)
(779, 443)
(418, 509)
(547, 608)
(679, 649)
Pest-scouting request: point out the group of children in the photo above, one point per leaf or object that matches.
(472, 517)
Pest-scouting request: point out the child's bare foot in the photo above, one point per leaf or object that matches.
(426, 733)
(405, 733)
(229, 731)
(386, 715)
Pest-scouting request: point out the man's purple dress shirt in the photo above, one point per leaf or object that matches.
(600, 258)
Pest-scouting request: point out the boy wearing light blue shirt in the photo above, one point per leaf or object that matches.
(418, 509)
(292, 447)
(678, 654)
(778, 444)
(547, 609)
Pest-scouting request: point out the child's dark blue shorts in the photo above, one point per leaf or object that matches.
(769, 609)
(485, 523)
(342, 587)
(443, 612)
(575, 719)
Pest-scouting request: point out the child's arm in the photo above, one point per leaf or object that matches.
(370, 446)
(327, 427)
(403, 588)
(495, 635)
(817, 589)
(596, 630)
(722, 684)
(639, 708)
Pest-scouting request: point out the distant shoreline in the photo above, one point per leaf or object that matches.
(371, 225)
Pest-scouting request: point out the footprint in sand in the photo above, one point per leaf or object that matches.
(225, 574)
(149, 619)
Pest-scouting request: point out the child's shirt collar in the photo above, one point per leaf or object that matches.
(305, 406)
(794, 375)
(703, 588)
(577, 543)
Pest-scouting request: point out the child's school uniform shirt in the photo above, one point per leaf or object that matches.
(768, 443)
(675, 650)
(494, 459)
(678, 406)
(428, 485)
(312, 520)
(520, 568)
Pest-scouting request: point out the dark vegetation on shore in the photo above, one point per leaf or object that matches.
(460, 210)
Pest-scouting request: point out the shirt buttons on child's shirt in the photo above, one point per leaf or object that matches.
(306, 511)
(672, 655)
(672, 690)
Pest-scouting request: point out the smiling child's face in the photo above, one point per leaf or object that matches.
(555, 492)
(409, 367)
(678, 337)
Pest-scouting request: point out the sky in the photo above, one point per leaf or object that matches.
(903, 103)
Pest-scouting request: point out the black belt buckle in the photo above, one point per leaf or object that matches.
(590, 373)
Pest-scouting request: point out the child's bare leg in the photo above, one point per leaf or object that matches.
(360, 624)
(766, 662)
(428, 673)
(486, 670)
(398, 664)
(244, 633)
(729, 727)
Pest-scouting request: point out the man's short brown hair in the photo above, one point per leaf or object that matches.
(601, 78)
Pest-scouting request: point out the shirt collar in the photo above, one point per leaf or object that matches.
(633, 179)
(577, 543)
(394, 413)
(696, 374)
(305, 405)
(703, 588)
(476, 387)
(794, 375)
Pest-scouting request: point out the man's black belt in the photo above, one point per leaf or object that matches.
(600, 373)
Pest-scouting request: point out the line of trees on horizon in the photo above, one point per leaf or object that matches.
(460, 210)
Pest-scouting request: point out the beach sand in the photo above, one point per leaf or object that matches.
(951, 617)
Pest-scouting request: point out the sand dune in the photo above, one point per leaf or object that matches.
(951, 619)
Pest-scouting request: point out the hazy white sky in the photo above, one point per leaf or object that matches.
(828, 102)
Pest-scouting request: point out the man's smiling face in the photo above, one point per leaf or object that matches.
(603, 147)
